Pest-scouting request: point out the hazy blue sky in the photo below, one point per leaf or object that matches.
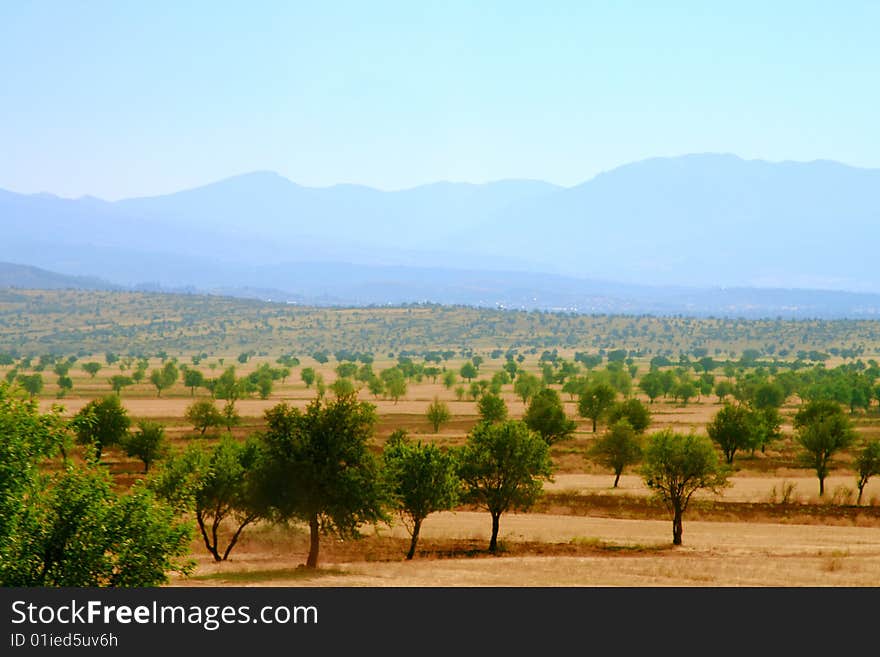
(121, 98)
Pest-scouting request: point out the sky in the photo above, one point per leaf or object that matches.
(120, 98)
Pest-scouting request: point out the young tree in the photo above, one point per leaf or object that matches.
(395, 383)
(91, 368)
(203, 414)
(526, 386)
(822, 429)
(732, 429)
(631, 410)
(492, 408)
(449, 379)
(193, 379)
(343, 387)
(231, 418)
(619, 447)
(148, 443)
(438, 414)
(502, 466)
(422, 479)
(723, 389)
(307, 374)
(318, 468)
(678, 465)
(546, 416)
(65, 385)
(468, 371)
(32, 383)
(101, 423)
(867, 465)
(118, 382)
(595, 400)
(216, 485)
(165, 377)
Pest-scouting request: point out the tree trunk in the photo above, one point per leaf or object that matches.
(417, 525)
(821, 486)
(493, 542)
(314, 544)
(676, 526)
(861, 490)
(616, 478)
(594, 425)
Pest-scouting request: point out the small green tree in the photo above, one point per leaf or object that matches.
(631, 410)
(732, 429)
(492, 408)
(595, 400)
(502, 466)
(231, 418)
(678, 465)
(32, 383)
(193, 379)
(307, 374)
(422, 480)
(546, 416)
(101, 423)
(216, 485)
(822, 429)
(343, 387)
(91, 368)
(118, 382)
(203, 415)
(148, 443)
(164, 378)
(438, 414)
(867, 465)
(619, 447)
(468, 371)
(449, 378)
(526, 386)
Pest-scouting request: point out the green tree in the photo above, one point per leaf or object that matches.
(685, 390)
(32, 383)
(449, 379)
(231, 418)
(618, 447)
(822, 429)
(502, 467)
(118, 382)
(65, 385)
(595, 400)
(101, 423)
(546, 416)
(438, 414)
(492, 408)
(318, 468)
(193, 379)
(632, 410)
(678, 465)
(395, 383)
(867, 465)
(203, 414)
(422, 480)
(343, 387)
(148, 443)
(732, 429)
(526, 386)
(91, 368)
(307, 374)
(723, 389)
(468, 371)
(216, 485)
(164, 378)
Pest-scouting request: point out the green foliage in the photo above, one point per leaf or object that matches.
(526, 386)
(492, 408)
(394, 383)
(422, 479)
(193, 379)
(32, 383)
(91, 368)
(120, 381)
(74, 531)
(502, 466)
(203, 414)
(438, 413)
(307, 374)
(165, 377)
(546, 416)
(319, 469)
(867, 465)
(343, 387)
(732, 429)
(618, 447)
(468, 371)
(822, 429)
(633, 411)
(678, 465)
(595, 401)
(216, 485)
(101, 423)
(148, 443)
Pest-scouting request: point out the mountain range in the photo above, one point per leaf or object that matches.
(705, 233)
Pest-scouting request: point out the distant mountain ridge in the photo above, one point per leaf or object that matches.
(695, 221)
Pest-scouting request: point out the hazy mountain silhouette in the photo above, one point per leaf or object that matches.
(696, 221)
